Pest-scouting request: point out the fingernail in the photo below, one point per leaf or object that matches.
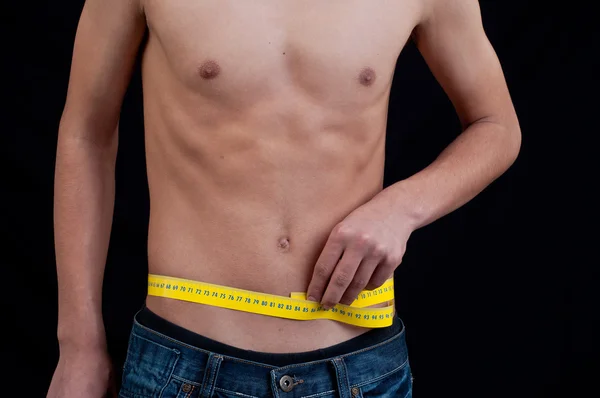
(311, 298)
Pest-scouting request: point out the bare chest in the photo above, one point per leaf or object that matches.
(335, 50)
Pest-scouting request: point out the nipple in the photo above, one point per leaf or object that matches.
(367, 77)
(209, 70)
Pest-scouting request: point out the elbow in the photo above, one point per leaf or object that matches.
(514, 139)
(506, 138)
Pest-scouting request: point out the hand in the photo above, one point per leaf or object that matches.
(83, 373)
(372, 240)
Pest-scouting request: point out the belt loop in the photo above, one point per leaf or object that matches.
(342, 377)
(210, 375)
(274, 380)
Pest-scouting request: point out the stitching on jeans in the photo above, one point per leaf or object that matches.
(337, 378)
(346, 381)
(204, 378)
(319, 394)
(341, 372)
(189, 394)
(128, 351)
(273, 385)
(170, 374)
(381, 376)
(172, 350)
(127, 361)
(219, 360)
(179, 378)
(239, 394)
(208, 384)
(211, 381)
(263, 365)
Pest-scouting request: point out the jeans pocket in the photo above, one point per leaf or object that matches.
(179, 388)
(147, 369)
(397, 384)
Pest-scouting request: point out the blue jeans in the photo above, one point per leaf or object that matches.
(159, 365)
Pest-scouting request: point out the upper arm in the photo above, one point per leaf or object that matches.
(452, 41)
(106, 44)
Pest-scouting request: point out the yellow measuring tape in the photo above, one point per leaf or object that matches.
(294, 307)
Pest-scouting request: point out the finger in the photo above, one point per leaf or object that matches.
(383, 272)
(328, 259)
(342, 275)
(362, 277)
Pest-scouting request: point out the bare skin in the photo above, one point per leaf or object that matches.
(265, 136)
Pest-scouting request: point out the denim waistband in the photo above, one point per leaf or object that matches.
(149, 319)
(203, 368)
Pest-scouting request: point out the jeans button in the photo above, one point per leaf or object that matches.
(355, 392)
(186, 388)
(286, 383)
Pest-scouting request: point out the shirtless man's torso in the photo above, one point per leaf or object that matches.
(265, 125)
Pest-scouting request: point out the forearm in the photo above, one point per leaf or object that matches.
(83, 209)
(471, 162)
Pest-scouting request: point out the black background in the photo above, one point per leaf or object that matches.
(498, 297)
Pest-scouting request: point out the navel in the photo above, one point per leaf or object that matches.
(209, 70)
(283, 243)
(367, 77)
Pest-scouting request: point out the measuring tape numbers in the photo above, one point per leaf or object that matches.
(294, 307)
